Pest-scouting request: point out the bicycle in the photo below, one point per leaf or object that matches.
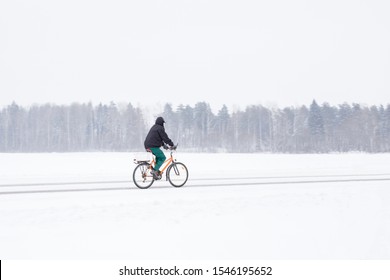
(176, 174)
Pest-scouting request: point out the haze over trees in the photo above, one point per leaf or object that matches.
(109, 127)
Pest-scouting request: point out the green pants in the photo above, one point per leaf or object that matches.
(160, 157)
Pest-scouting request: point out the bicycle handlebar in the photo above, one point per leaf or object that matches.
(174, 147)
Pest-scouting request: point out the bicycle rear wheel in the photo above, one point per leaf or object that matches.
(177, 174)
(142, 177)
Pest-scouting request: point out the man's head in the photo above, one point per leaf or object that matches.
(160, 121)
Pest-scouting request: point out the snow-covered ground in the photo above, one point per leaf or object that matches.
(234, 206)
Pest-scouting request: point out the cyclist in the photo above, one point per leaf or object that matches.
(156, 138)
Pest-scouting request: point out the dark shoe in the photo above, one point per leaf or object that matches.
(156, 174)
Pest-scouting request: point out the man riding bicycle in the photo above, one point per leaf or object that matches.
(156, 138)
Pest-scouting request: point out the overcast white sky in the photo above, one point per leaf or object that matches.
(242, 52)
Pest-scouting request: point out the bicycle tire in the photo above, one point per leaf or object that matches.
(142, 177)
(177, 174)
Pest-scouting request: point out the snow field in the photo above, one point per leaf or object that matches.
(269, 211)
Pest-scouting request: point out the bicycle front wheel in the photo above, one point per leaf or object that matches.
(142, 177)
(177, 174)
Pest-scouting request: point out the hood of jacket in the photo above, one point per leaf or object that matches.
(160, 121)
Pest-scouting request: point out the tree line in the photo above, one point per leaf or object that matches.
(109, 127)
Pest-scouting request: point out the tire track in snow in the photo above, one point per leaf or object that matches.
(62, 183)
(293, 182)
(195, 179)
(131, 186)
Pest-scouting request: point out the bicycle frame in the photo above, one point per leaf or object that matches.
(166, 163)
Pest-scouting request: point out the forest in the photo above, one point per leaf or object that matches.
(318, 128)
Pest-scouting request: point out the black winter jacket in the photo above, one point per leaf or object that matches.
(157, 135)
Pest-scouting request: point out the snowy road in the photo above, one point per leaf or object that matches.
(85, 206)
(55, 187)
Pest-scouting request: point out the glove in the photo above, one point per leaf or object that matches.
(173, 147)
(166, 147)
